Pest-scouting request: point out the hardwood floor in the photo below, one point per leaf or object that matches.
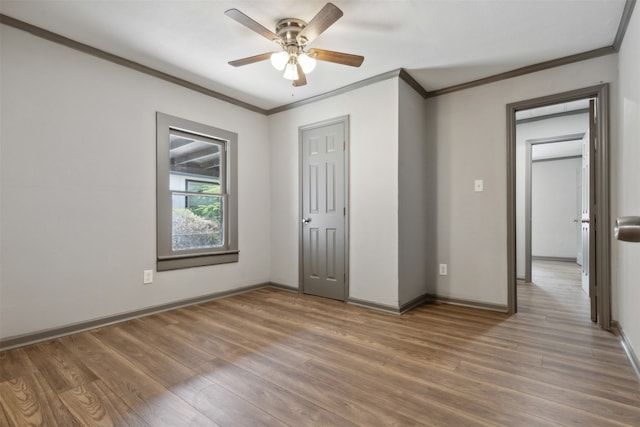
(276, 358)
(555, 291)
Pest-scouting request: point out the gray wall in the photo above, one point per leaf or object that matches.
(77, 188)
(470, 135)
(391, 187)
(416, 198)
(373, 189)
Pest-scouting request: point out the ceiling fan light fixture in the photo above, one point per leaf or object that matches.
(306, 62)
(279, 60)
(293, 36)
(291, 71)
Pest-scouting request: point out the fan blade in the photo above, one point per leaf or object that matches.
(302, 79)
(251, 59)
(243, 19)
(323, 20)
(337, 57)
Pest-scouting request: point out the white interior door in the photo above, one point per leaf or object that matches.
(584, 214)
(588, 211)
(578, 217)
(323, 219)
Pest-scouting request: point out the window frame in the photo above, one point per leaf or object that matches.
(167, 258)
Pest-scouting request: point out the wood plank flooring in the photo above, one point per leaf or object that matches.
(274, 358)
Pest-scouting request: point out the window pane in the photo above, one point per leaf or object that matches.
(197, 222)
(203, 187)
(193, 157)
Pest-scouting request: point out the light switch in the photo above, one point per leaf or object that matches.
(147, 277)
(479, 185)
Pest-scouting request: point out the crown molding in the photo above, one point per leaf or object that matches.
(624, 23)
(401, 72)
(525, 70)
(404, 75)
(357, 85)
(90, 50)
(607, 50)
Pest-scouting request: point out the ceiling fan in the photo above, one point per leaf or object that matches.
(293, 35)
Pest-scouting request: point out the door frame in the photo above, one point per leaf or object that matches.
(527, 191)
(345, 121)
(602, 245)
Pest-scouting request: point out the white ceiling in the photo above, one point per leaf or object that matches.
(439, 42)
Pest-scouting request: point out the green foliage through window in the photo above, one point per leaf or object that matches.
(205, 207)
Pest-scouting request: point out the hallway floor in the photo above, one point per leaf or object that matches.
(556, 292)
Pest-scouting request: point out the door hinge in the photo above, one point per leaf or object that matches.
(344, 145)
(344, 211)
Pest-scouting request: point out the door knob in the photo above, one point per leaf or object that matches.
(306, 220)
(628, 228)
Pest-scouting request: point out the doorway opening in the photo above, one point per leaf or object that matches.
(552, 192)
(558, 194)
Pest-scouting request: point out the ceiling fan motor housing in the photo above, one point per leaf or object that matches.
(288, 30)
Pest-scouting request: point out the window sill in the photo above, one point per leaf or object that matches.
(196, 261)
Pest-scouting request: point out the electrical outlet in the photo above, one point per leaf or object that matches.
(443, 269)
(147, 277)
(478, 185)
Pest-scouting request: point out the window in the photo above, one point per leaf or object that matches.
(197, 206)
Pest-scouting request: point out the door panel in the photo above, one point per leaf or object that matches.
(323, 211)
(577, 220)
(313, 189)
(588, 211)
(584, 214)
(313, 253)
